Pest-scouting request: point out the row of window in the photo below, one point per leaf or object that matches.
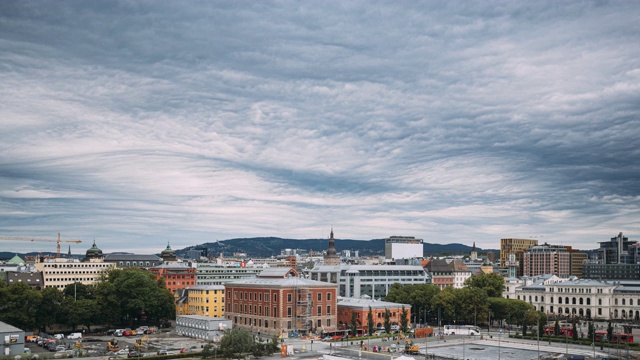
(259, 323)
(258, 296)
(197, 299)
(77, 265)
(204, 308)
(578, 301)
(135, 263)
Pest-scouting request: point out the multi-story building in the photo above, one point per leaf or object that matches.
(546, 259)
(60, 272)
(278, 302)
(516, 247)
(371, 280)
(448, 273)
(214, 274)
(362, 306)
(577, 259)
(618, 259)
(176, 275)
(133, 260)
(572, 297)
(205, 300)
(403, 247)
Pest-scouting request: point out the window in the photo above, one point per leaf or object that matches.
(319, 312)
(319, 297)
(328, 296)
(328, 309)
(328, 322)
(275, 297)
(288, 297)
(289, 311)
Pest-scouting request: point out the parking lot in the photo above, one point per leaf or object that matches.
(96, 345)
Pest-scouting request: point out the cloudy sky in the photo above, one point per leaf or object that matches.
(137, 123)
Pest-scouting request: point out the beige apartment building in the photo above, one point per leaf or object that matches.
(516, 247)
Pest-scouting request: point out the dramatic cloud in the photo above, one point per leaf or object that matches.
(137, 123)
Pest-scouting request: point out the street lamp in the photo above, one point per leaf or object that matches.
(538, 332)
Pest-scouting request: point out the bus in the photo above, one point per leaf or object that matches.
(621, 337)
(601, 335)
(334, 335)
(461, 330)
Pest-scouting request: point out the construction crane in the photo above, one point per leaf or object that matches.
(23, 238)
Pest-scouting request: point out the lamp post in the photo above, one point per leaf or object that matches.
(538, 332)
(499, 349)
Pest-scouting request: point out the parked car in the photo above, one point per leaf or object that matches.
(61, 348)
(110, 332)
(118, 332)
(59, 336)
(134, 354)
(163, 352)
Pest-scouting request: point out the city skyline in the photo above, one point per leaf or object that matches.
(137, 123)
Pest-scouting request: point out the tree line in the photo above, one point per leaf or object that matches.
(478, 302)
(122, 296)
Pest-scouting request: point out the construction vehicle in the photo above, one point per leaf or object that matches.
(79, 345)
(140, 343)
(410, 348)
(112, 345)
(23, 238)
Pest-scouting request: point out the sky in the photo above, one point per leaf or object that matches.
(137, 123)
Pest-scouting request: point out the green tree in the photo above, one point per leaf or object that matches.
(138, 292)
(542, 321)
(370, 323)
(236, 342)
(404, 320)
(419, 296)
(499, 308)
(575, 331)
(609, 331)
(591, 331)
(387, 321)
(556, 330)
(353, 326)
(49, 310)
(446, 301)
(492, 284)
(108, 302)
(20, 305)
(78, 291)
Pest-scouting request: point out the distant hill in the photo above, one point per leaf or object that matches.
(259, 247)
(270, 246)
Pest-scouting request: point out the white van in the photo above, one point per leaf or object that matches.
(75, 336)
(118, 332)
(58, 336)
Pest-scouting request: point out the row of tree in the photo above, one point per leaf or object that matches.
(478, 302)
(122, 296)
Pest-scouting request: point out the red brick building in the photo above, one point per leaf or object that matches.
(278, 302)
(348, 306)
(176, 275)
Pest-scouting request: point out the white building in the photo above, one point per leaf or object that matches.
(372, 280)
(403, 247)
(574, 297)
(202, 327)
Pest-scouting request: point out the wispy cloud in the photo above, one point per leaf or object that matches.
(137, 123)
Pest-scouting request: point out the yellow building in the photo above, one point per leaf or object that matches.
(205, 300)
(514, 246)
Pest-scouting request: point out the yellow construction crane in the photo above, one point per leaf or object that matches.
(23, 238)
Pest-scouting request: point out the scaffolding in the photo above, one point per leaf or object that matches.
(304, 303)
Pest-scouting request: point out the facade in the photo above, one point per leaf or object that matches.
(582, 298)
(403, 247)
(133, 260)
(577, 259)
(279, 303)
(513, 246)
(618, 259)
(214, 274)
(202, 327)
(546, 259)
(35, 280)
(176, 275)
(362, 306)
(12, 340)
(331, 257)
(371, 280)
(206, 300)
(441, 274)
(60, 272)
